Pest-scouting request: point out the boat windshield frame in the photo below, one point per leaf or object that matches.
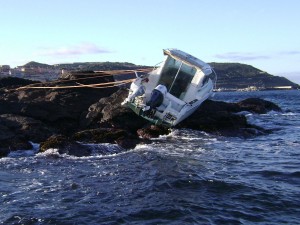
(177, 75)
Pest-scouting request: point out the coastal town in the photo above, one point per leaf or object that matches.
(31, 73)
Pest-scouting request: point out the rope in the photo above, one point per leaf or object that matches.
(116, 72)
(109, 86)
(101, 85)
(108, 74)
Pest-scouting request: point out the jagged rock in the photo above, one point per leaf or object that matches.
(17, 131)
(257, 105)
(96, 116)
(152, 131)
(93, 116)
(72, 75)
(221, 118)
(100, 135)
(16, 143)
(127, 143)
(109, 112)
(16, 126)
(107, 135)
(14, 82)
(60, 108)
(65, 146)
(4, 151)
(214, 116)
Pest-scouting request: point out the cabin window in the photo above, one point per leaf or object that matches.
(169, 72)
(177, 76)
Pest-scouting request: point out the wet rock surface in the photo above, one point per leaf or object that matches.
(65, 145)
(66, 118)
(223, 118)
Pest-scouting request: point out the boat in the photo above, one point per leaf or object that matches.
(173, 90)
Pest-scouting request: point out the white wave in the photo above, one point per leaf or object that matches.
(184, 134)
(145, 148)
(49, 152)
(276, 113)
(244, 113)
(178, 149)
(190, 135)
(97, 151)
(165, 136)
(21, 153)
(24, 153)
(290, 114)
(104, 148)
(180, 143)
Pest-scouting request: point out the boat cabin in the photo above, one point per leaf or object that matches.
(182, 74)
(173, 90)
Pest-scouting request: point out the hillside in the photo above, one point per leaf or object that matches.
(86, 66)
(95, 66)
(239, 76)
(231, 76)
(34, 64)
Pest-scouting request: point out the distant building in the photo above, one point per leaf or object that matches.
(63, 71)
(39, 73)
(284, 87)
(5, 70)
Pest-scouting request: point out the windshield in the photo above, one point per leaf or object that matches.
(176, 76)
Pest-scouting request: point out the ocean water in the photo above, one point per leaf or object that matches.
(187, 177)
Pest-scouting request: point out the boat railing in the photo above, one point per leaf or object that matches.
(157, 65)
(215, 78)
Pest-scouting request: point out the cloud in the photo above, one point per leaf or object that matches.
(248, 56)
(290, 52)
(80, 49)
(241, 56)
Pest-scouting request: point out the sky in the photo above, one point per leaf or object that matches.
(261, 33)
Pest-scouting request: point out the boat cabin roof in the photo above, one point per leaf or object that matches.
(189, 59)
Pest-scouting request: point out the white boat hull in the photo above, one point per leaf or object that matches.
(173, 91)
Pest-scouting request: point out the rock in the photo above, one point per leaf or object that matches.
(100, 135)
(109, 112)
(16, 126)
(72, 75)
(93, 115)
(17, 131)
(220, 117)
(213, 116)
(120, 116)
(127, 143)
(257, 105)
(62, 109)
(65, 146)
(8, 145)
(4, 152)
(152, 131)
(14, 82)
(107, 135)
(55, 141)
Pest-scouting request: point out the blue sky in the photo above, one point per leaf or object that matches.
(262, 33)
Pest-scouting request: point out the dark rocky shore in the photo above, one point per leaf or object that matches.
(66, 118)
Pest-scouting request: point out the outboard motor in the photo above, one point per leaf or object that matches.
(157, 96)
(136, 89)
